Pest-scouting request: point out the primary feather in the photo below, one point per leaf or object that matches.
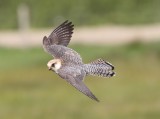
(60, 36)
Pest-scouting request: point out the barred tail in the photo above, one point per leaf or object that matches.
(100, 68)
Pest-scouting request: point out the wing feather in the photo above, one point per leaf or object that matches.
(60, 36)
(75, 78)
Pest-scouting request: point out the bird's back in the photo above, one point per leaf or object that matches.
(67, 55)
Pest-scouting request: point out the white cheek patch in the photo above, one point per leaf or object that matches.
(49, 64)
(57, 65)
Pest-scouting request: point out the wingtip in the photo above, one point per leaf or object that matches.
(67, 22)
(97, 100)
(93, 97)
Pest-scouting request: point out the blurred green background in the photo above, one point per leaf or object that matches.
(29, 91)
(81, 12)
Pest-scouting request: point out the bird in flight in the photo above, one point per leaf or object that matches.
(68, 64)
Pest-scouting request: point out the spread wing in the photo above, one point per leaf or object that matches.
(60, 36)
(76, 79)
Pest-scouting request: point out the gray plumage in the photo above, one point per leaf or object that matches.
(99, 68)
(68, 63)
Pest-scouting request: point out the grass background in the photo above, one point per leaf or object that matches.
(29, 91)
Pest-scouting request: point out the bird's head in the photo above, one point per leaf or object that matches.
(54, 64)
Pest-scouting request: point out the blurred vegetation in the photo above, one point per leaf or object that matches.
(45, 13)
(29, 91)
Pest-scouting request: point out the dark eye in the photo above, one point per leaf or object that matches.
(53, 65)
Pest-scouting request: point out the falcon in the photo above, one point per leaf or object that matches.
(68, 64)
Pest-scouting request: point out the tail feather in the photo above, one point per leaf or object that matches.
(100, 68)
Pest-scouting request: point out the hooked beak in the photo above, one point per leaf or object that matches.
(49, 68)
